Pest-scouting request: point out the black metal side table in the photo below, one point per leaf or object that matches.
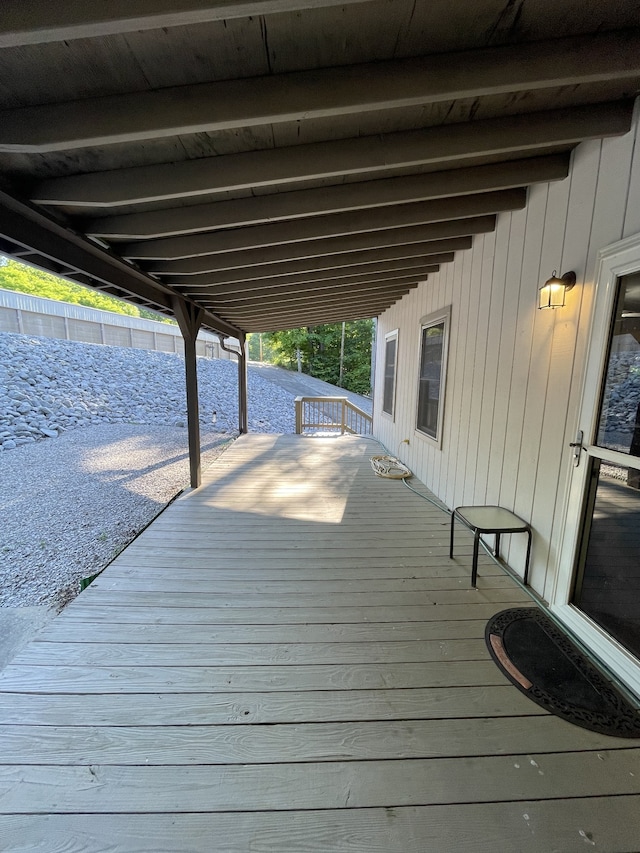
(489, 519)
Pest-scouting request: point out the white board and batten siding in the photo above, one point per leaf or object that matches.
(514, 373)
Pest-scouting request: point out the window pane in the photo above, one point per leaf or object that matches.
(389, 375)
(619, 425)
(430, 378)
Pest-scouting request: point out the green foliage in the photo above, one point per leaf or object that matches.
(24, 279)
(259, 347)
(320, 352)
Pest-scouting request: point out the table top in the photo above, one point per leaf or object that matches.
(491, 518)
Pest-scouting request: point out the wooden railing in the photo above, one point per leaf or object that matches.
(318, 414)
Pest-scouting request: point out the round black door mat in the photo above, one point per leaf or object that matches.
(546, 666)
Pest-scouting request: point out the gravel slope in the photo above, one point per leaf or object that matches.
(69, 505)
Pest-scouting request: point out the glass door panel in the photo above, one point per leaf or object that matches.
(618, 424)
(608, 585)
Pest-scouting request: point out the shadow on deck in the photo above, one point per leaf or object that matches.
(286, 660)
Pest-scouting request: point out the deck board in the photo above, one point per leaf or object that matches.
(166, 679)
(251, 654)
(63, 631)
(199, 598)
(287, 660)
(532, 826)
(172, 614)
(332, 785)
(310, 706)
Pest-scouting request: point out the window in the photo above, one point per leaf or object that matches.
(433, 356)
(390, 359)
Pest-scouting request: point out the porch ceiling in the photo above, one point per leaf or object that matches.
(289, 162)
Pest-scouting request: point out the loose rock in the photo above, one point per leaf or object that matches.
(93, 445)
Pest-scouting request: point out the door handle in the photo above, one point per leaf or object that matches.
(577, 447)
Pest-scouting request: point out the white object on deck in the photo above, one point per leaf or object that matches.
(390, 467)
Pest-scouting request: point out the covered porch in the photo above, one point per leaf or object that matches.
(287, 660)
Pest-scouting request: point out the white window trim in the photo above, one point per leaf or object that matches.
(443, 315)
(388, 337)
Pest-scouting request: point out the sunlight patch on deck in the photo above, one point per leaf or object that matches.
(293, 483)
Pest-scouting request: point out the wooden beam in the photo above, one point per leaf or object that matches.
(310, 293)
(326, 287)
(272, 99)
(328, 200)
(28, 228)
(303, 316)
(40, 21)
(225, 293)
(399, 239)
(297, 317)
(199, 262)
(447, 144)
(45, 239)
(309, 296)
(306, 291)
(334, 304)
(232, 267)
(318, 309)
(335, 225)
(296, 321)
(192, 283)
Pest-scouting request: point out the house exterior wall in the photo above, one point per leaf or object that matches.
(514, 373)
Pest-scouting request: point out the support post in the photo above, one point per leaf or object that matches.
(299, 405)
(189, 320)
(243, 419)
(341, 355)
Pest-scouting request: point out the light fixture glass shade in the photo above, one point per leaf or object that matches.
(551, 294)
(553, 291)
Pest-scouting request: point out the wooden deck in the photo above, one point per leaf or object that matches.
(286, 660)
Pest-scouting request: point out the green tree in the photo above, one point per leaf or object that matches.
(24, 279)
(320, 352)
(285, 345)
(259, 347)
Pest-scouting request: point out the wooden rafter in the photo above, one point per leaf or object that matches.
(248, 278)
(267, 321)
(202, 260)
(343, 294)
(325, 252)
(242, 268)
(448, 144)
(329, 200)
(312, 295)
(335, 225)
(207, 107)
(342, 172)
(46, 239)
(225, 293)
(40, 21)
(410, 266)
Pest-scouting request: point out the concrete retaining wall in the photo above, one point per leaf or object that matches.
(33, 315)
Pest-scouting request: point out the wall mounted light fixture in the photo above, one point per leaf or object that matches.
(552, 292)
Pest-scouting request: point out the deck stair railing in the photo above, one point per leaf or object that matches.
(317, 414)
